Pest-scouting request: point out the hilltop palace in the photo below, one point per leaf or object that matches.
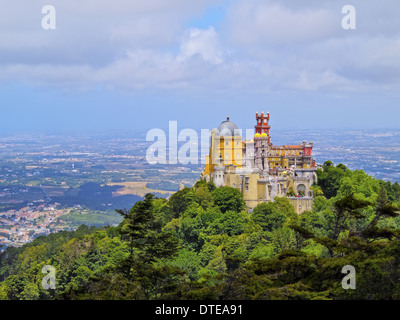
(259, 169)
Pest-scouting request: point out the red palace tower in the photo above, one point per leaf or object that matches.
(262, 125)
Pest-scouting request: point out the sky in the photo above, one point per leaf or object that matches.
(136, 65)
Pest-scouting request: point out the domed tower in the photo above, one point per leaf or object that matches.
(228, 139)
(228, 129)
(226, 147)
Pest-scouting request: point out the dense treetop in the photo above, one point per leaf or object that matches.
(203, 244)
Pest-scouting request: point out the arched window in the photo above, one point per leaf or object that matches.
(301, 189)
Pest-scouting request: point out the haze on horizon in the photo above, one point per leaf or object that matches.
(138, 64)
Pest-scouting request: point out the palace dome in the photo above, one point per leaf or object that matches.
(264, 134)
(228, 129)
(257, 135)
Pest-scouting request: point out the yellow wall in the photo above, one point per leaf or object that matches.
(285, 163)
(300, 205)
(230, 148)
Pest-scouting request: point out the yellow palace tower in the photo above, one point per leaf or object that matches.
(226, 147)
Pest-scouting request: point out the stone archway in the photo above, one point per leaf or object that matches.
(301, 189)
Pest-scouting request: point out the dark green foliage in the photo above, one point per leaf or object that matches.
(227, 198)
(268, 216)
(180, 200)
(330, 177)
(306, 234)
(230, 223)
(190, 231)
(393, 190)
(345, 209)
(202, 244)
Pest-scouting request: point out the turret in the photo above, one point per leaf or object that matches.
(262, 125)
(261, 141)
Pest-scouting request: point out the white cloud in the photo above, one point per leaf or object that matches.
(92, 29)
(262, 46)
(201, 42)
(263, 23)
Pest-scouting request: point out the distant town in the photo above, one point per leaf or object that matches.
(23, 225)
(50, 183)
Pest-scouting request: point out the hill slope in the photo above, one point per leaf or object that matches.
(202, 244)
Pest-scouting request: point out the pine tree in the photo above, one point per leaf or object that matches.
(148, 244)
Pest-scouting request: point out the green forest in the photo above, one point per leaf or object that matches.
(202, 243)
